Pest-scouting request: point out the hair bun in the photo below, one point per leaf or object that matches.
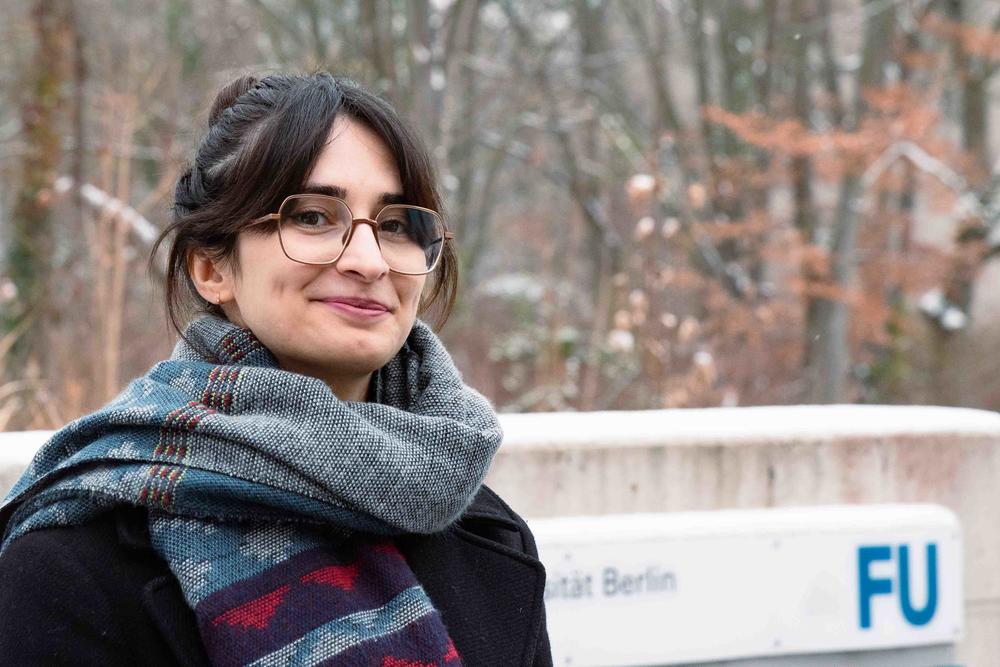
(229, 94)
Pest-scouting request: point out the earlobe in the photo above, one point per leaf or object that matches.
(211, 281)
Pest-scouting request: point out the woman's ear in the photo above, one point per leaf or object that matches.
(211, 277)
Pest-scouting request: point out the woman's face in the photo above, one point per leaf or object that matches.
(291, 307)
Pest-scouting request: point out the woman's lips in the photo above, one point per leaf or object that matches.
(358, 311)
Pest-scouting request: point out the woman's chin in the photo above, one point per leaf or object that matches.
(347, 363)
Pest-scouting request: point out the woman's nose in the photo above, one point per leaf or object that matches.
(362, 256)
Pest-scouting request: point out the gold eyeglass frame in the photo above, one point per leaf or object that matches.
(373, 223)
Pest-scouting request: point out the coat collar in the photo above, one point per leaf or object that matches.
(484, 579)
(488, 590)
(162, 598)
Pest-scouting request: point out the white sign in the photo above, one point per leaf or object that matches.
(698, 586)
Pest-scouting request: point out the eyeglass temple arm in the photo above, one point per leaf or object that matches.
(270, 217)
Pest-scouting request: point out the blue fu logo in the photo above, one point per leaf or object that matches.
(870, 586)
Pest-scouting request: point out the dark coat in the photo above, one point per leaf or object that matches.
(98, 594)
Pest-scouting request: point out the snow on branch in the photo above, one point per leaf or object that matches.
(109, 205)
(922, 160)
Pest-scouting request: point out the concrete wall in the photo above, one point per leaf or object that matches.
(654, 461)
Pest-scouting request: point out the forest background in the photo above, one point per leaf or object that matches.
(674, 203)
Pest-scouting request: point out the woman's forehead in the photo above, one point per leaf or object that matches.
(356, 157)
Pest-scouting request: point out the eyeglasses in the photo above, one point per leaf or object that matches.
(315, 229)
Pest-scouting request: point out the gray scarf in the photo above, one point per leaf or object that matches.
(220, 432)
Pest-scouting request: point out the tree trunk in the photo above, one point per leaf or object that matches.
(974, 76)
(829, 359)
(29, 255)
(422, 97)
(828, 354)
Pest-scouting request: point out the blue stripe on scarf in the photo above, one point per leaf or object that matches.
(337, 636)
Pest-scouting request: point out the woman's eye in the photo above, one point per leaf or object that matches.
(310, 219)
(393, 226)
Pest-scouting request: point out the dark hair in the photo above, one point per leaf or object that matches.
(264, 137)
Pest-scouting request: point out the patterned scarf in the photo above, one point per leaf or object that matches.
(272, 501)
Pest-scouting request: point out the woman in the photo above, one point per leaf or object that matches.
(301, 482)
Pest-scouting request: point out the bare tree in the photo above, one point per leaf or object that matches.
(32, 236)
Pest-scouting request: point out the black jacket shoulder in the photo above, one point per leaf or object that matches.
(78, 596)
(98, 594)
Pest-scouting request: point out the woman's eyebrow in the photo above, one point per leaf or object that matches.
(384, 199)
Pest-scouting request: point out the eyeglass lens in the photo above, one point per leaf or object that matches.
(314, 229)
